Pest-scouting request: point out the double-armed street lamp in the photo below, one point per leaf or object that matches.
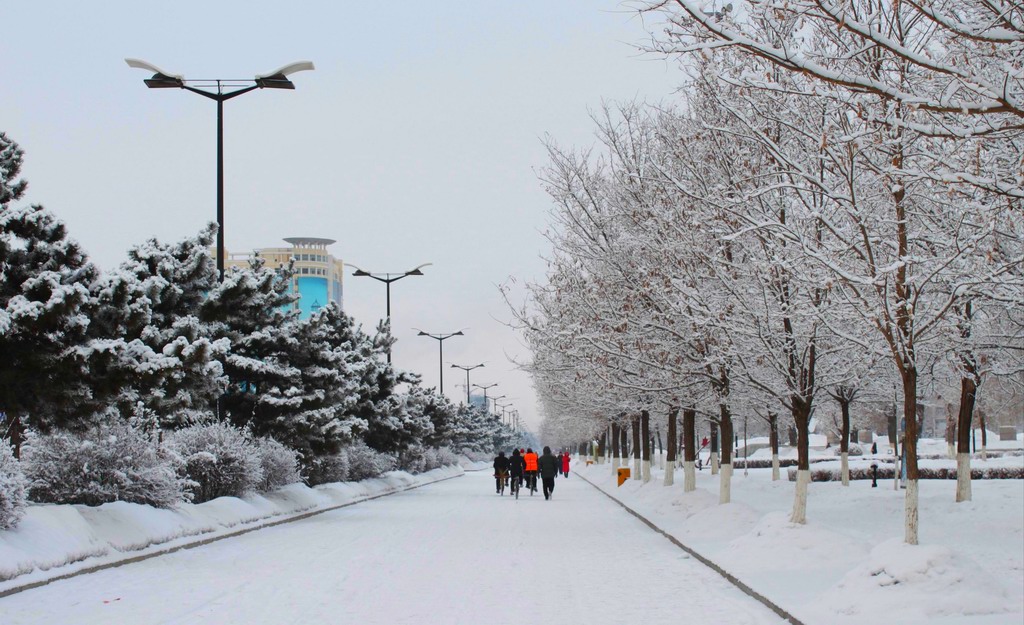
(213, 88)
(484, 388)
(467, 370)
(441, 338)
(387, 279)
(503, 407)
(494, 402)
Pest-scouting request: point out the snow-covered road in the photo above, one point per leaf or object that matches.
(453, 552)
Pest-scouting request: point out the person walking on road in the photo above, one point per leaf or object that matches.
(565, 464)
(549, 468)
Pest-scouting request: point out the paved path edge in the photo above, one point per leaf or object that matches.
(732, 579)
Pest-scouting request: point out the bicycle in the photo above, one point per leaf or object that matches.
(532, 481)
(516, 483)
(502, 478)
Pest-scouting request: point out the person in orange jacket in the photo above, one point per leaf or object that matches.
(530, 458)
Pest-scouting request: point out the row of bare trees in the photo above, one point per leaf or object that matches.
(834, 207)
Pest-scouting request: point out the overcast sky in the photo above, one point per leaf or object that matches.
(417, 139)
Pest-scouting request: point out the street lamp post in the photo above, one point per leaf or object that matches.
(277, 79)
(441, 338)
(503, 407)
(494, 401)
(387, 279)
(485, 387)
(467, 370)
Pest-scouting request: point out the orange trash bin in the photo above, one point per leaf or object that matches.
(623, 475)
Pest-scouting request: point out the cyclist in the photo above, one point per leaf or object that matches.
(516, 467)
(500, 471)
(531, 469)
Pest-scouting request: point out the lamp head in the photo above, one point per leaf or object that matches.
(160, 79)
(278, 79)
(416, 271)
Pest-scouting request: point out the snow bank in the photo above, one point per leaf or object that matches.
(924, 583)
(848, 564)
(54, 540)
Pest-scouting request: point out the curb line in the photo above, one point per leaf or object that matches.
(207, 541)
(732, 579)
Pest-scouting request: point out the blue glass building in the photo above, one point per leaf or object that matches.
(318, 278)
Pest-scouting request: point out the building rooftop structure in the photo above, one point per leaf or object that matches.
(318, 277)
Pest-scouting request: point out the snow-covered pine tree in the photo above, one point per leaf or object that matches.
(148, 347)
(252, 310)
(322, 374)
(390, 425)
(44, 283)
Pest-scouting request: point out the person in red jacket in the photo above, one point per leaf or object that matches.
(565, 464)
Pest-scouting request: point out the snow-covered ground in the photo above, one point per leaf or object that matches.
(848, 564)
(449, 553)
(54, 540)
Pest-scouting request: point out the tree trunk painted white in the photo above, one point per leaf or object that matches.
(963, 477)
(670, 469)
(775, 468)
(951, 450)
(615, 465)
(714, 463)
(646, 466)
(637, 472)
(803, 478)
(725, 484)
(984, 452)
(911, 513)
(845, 468)
(689, 476)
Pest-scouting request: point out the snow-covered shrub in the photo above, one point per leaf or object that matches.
(413, 460)
(887, 471)
(326, 469)
(855, 450)
(365, 462)
(476, 456)
(766, 463)
(112, 462)
(437, 458)
(12, 488)
(421, 459)
(280, 464)
(219, 459)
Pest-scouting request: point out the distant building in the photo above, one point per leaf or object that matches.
(319, 276)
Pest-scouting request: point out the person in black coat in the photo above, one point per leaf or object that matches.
(517, 467)
(501, 465)
(549, 467)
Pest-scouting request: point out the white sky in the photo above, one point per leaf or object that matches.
(416, 139)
